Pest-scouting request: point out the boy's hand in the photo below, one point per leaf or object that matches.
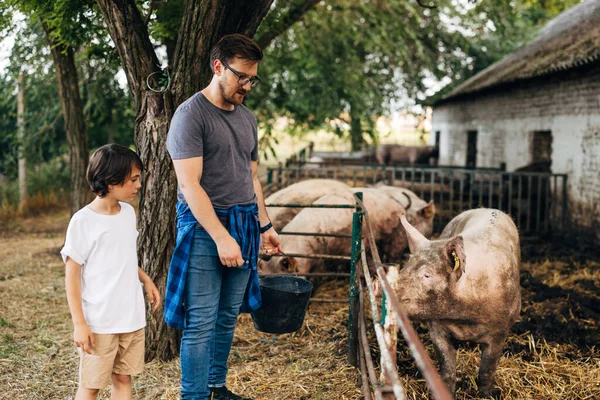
(83, 337)
(153, 295)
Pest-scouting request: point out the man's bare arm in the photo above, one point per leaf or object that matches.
(262, 210)
(270, 239)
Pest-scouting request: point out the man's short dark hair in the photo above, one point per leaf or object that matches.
(111, 164)
(235, 45)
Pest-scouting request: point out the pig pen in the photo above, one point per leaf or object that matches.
(357, 344)
(551, 353)
(537, 201)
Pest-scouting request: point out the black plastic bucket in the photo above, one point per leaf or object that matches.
(284, 303)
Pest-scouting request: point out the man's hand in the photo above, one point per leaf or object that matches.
(153, 294)
(83, 337)
(229, 252)
(271, 243)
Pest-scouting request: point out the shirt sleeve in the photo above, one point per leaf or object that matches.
(185, 137)
(77, 246)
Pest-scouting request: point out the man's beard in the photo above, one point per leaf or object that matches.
(230, 99)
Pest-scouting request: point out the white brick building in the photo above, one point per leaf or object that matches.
(539, 104)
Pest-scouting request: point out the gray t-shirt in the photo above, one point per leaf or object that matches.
(226, 140)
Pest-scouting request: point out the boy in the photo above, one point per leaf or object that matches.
(102, 277)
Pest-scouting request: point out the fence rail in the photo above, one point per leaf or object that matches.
(537, 201)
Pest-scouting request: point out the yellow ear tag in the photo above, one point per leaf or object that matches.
(456, 261)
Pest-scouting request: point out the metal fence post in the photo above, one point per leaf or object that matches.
(353, 304)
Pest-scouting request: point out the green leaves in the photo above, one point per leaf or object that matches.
(351, 59)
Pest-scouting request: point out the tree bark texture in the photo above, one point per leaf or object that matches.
(72, 108)
(204, 23)
(156, 211)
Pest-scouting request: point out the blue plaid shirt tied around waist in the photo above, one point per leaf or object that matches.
(243, 227)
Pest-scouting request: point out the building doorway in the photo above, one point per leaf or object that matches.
(471, 161)
(541, 149)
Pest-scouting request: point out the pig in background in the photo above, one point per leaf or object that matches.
(388, 154)
(419, 213)
(382, 210)
(465, 285)
(384, 214)
(304, 192)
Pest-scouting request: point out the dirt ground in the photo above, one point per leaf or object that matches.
(552, 353)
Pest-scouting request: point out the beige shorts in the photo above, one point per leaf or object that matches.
(121, 353)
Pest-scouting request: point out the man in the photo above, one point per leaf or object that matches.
(221, 218)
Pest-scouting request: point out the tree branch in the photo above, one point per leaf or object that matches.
(293, 16)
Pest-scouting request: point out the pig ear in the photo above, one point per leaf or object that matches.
(289, 264)
(416, 240)
(455, 254)
(428, 211)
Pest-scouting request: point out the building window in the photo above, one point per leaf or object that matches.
(471, 161)
(541, 148)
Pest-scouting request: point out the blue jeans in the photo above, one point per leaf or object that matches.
(213, 296)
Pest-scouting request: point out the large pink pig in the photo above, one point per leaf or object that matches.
(303, 192)
(384, 213)
(465, 285)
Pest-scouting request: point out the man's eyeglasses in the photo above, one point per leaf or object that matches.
(243, 79)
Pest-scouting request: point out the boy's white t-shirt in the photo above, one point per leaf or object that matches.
(105, 247)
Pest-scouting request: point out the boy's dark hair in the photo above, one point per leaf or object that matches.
(111, 164)
(235, 45)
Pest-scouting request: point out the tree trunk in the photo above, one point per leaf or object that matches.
(21, 138)
(204, 23)
(72, 108)
(356, 133)
(110, 135)
(156, 210)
